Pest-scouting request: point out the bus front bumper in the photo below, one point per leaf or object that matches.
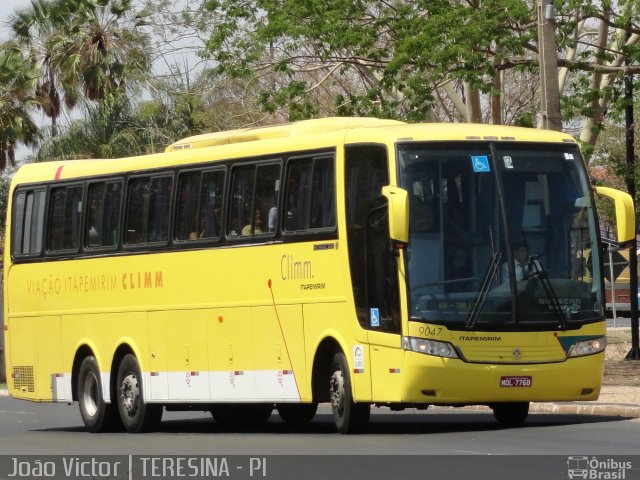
(436, 380)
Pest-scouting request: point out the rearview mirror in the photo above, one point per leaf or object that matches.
(625, 213)
(398, 199)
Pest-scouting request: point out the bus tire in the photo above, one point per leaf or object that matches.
(349, 417)
(297, 412)
(511, 414)
(97, 415)
(136, 415)
(241, 415)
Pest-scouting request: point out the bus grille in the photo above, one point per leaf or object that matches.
(513, 354)
(23, 378)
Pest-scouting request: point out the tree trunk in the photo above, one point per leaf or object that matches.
(548, 57)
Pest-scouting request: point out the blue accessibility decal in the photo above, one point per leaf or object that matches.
(480, 163)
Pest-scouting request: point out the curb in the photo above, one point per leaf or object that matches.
(594, 409)
(4, 393)
(606, 410)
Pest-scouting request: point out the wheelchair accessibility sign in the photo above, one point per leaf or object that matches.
(374, 316)
(480, 164)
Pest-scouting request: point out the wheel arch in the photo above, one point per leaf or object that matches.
(321, 372)
(123, 350)
(82, 352)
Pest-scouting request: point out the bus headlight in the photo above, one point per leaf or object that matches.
(429, 347)
(588, 347)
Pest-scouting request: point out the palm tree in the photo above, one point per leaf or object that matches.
(35, 29)
(108, 130)
(84, 48)
(102, 46)
(17, 80)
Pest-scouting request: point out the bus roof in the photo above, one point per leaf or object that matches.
(270, 140)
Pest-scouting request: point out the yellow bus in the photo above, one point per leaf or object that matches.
(355, 261)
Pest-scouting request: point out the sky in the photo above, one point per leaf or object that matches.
(7, 7)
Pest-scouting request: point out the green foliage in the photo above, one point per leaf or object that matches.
(107, 131)
(383, 58)
(84, 49)
(17, 98)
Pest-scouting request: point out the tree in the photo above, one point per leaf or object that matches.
(465, 60)
(35, 30)
(108, 130)
(84, 48)
(101, 46)
(17, 80)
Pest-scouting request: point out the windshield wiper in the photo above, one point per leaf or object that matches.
(539, 272)
(484, 290)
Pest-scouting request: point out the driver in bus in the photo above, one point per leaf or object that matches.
(521, 263)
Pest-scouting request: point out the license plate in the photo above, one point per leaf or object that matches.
(510, 382)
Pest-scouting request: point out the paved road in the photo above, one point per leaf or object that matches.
(30, 428)
(439, 443)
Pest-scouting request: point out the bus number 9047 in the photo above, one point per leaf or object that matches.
(429, 331)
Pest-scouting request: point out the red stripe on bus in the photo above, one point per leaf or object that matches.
(59, 172)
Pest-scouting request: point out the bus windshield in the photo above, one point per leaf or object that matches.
(501, 237)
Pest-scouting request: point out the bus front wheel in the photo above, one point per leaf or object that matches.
(512, 414)
(349, 417)
(97, 415)
(136, 415)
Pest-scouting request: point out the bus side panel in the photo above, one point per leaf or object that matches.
(387, 359)
(35, 361)
(231, 360)
(177, 339)
(282, 371)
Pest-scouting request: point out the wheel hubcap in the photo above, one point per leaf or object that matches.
(130, 394)
(90, 393)
(336, 392)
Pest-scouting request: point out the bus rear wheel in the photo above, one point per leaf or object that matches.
(136, 415)
(297, 412)
(349, 417)
(97, 415)
(512, 414)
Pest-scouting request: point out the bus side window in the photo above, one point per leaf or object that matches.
(211, 194)
(310, 196)
(298, 187)
(254, 196)
(64, 218)
(103, 220)
(199, 205)
(323, 194)
(28, 222)
(148, 206)
(187, 216)
(241, 199)
(266, 198)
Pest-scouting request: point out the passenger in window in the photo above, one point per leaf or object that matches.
(257, 225)
(200, 233)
